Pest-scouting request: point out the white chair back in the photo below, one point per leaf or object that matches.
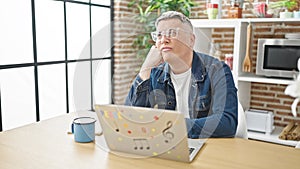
(241, 130)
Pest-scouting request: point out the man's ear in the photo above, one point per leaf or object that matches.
(192, 40)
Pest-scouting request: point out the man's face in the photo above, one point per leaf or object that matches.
(175, 40)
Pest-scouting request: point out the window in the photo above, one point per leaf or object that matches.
(55, 58)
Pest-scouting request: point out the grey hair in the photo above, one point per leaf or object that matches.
(174, 15)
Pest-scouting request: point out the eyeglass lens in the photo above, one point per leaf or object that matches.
(170, 33)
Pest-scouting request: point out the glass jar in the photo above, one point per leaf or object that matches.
(212, 11)
(229, 60)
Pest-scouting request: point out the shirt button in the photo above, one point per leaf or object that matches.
(169, 102)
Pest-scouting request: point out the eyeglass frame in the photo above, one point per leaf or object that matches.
(165, 32)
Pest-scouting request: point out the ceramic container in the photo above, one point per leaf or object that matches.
(84, 129)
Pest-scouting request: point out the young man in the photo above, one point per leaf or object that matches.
(175, 77)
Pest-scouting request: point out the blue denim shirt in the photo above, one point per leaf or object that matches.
(212, 100)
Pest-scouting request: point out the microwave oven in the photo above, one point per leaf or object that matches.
(278, 57)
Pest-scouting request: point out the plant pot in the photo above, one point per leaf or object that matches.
(296, 14)
(286, 14)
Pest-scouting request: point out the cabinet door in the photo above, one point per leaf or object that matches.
(52, 90)
(17, 97)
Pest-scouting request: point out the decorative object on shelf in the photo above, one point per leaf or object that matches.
(247, 64)
(235, 9)
(290, 132)
(234, 12)
(294, 90)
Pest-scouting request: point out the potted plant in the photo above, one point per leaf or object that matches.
(297, 13)
(149, 10)
(284, 7)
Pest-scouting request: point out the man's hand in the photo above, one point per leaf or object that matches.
(153, 59)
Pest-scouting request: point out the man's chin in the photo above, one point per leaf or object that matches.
(168, 55)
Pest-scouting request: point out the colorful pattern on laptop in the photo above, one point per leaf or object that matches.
(144, 132)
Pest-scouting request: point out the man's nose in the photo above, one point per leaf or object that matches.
(164, 39)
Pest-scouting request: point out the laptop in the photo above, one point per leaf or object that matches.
(145, 132)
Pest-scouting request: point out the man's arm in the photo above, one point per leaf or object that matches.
(223, 119)
(138, 94)
(139, 91)
(153, 59)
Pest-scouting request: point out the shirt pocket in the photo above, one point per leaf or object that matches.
(202, 105)
(158, 98)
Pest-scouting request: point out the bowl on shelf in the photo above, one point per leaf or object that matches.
(260, 10)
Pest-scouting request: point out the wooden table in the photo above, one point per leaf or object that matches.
(47, 145)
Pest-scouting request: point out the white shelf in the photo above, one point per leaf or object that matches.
(264, 20)
(261, 79)
(273, 137)
(231, 23)
(215, 23)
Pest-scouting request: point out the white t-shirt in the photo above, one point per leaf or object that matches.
(181, 83)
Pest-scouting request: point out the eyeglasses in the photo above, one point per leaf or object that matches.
(169, 33)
